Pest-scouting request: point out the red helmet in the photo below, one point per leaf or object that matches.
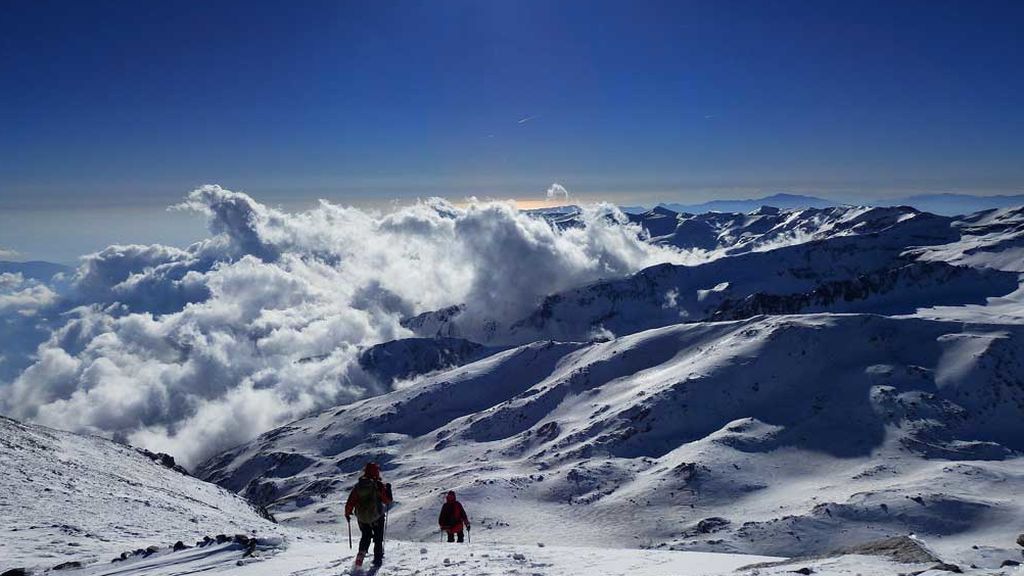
(372, 470)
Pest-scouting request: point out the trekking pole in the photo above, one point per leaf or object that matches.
(349, 520)
(384, 530)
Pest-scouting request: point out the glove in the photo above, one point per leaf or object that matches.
(348, 518)
(468, 527)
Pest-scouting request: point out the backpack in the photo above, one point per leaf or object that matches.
(368, 503)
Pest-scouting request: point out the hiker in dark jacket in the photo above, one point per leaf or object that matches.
(453, 518)
(368, 499)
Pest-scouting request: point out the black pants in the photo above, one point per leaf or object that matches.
(373, 532)
(451, 535)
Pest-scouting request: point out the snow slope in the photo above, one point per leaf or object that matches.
(989, 239)
(66, 497)
(321, 556)
(781, 436)
(72, 504)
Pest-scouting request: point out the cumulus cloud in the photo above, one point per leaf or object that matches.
(23, 296)
(7, 253)
(26, 307)
(557, 192)
(190, 351)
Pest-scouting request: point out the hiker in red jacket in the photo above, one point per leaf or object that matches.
(368, 499)
(453, 517)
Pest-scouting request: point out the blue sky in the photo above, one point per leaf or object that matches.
(109, 107)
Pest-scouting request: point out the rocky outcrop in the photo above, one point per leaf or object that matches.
(936, 278)
(165, 460)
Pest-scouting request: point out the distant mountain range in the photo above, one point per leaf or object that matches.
(942, 204)
(784, 201)
(957, 204)
(35, 270)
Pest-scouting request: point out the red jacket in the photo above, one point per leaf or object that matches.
(453, 517)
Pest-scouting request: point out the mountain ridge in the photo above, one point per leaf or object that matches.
(585, 430)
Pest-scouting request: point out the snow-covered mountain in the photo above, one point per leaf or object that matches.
(716, 234)
(880, 260)
(809, 384)
(71, 498)
(989, 239)
(766, 228)
(86, 506)
(779, 435)
(409, 357)
(946, 204)
(812, 380)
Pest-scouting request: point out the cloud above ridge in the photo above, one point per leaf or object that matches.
(557, 192)
(190, 351)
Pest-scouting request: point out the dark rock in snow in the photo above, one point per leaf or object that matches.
(165, 460)
(805, 571)
(262, 512)
(179, 546)
(15, 572)
(1020, 540)
(899, 548)
(712, 524)
(222, 538)
(943, 567)
(249, 543)
(68, 565)
(1009, 563)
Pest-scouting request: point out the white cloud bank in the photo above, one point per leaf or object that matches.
(192, 351)
(23, 296)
